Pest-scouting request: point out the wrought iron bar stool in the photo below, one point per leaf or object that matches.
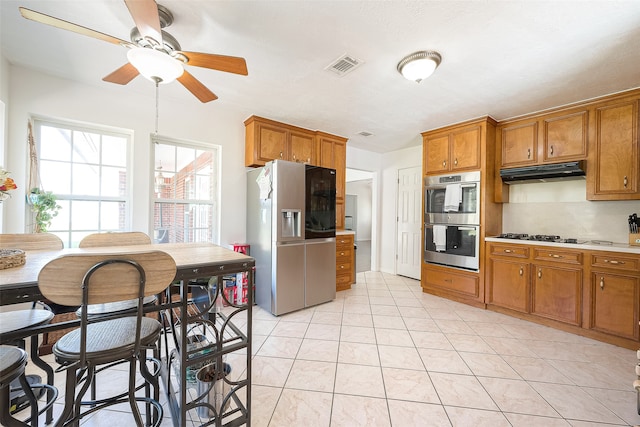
(13, 361)
(85, 279)
(21, 319)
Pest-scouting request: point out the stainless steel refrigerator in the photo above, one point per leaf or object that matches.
(291, 230)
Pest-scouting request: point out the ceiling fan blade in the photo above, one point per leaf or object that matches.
(65, 25)
(229, 64)
(194, 86)
(122, 75)
(145, 15)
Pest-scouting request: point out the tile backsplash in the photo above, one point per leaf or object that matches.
(560, 208)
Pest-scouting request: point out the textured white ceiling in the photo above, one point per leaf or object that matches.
(500, 58)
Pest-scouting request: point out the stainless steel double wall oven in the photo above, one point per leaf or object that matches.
(452, 220)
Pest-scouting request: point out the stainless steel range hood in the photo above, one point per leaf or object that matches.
(544, 173)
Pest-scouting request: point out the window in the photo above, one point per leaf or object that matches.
(86, 168)
(186, 192)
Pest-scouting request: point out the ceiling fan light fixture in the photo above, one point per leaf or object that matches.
(155, 65)
(419, 65)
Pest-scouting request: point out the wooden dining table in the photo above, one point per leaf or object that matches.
(193, 261)
(20, 284)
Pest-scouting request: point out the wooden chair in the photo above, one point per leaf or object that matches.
(124, 238)
(31, 241)
(84, 279)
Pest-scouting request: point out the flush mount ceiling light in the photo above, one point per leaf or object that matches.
(419, 65)
(155, 65)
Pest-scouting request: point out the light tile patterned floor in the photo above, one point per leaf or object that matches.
(386, 354)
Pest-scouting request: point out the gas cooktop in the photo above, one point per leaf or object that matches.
(537, 238)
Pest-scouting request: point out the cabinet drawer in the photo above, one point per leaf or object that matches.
(343, 279)
(509, 250)
(464, 284)
(343, 255)
(616, 262)
(556, 255)
(343, 267)
(344, 243)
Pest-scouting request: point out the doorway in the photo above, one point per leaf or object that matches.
(359, 216)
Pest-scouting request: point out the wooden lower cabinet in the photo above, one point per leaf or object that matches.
(451, 282)
(345, 258)
(541, 281)
(591, 293)
(614, 305)
(556, 293)
(509, 285)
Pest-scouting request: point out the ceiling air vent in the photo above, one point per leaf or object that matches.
(365, 133)
(343, 65)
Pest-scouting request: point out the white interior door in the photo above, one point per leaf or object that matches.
(409, 221)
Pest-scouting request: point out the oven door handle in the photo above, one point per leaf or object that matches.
(443, 186)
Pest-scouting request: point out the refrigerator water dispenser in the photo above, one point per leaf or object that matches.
(291, 223)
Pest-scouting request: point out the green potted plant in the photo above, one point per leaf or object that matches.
(43, 203)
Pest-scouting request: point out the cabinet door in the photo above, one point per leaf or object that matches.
(271, 143)
(519, 144)
(340, 165)
(325, 147)
(509, 284)
(616, 159)
(465, 149)
(302, 147)
(556, 293)
(565, 137)
(615, 304)
(436, 155)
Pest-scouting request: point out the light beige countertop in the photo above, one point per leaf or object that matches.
(344, 232)
(587, 245)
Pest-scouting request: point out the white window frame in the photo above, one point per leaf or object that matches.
(71, 125)
(216, 186)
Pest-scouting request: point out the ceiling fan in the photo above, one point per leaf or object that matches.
(153, 51)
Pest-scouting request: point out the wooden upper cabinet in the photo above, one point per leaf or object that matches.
(436, 154)
(332, 153)
(302, 147)
(453, 150)
(267, 140)
(519, 144)
(552, 138)
(564, 137)
(614, 164)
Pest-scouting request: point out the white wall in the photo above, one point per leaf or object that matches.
(33, 93)
(561, 208)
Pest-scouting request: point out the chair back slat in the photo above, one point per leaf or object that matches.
(60, 280)
(124, 238)
(31, 241)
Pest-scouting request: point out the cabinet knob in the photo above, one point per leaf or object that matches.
(551, 150)
(614, 262)
(521, 271)
(455, 162)
(555, 256)
(528, 153)
(444, 163)
(341, 253)
(294, 158)
(281, 154)
(507, 251)
(539, 273)
(342, 266)
(626, 181)
(602, 283)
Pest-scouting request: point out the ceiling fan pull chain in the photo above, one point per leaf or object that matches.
(157, 82)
